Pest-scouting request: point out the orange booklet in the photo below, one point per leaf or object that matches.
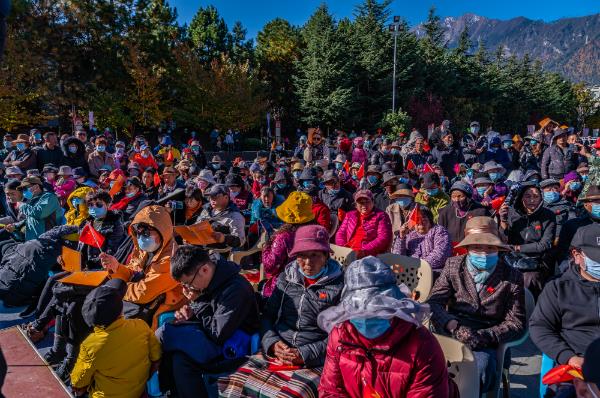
(86, 278)
(197, 234)
(71, 259)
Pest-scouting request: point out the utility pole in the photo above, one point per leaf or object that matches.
(395, 30)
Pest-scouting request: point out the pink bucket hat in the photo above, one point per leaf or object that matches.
(311, 237)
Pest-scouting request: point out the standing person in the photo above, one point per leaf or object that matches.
(42, 210)
(317, 152)
(376, 339)
(558, 158)
(530, 229)
(366, 230)
(23, 156)
(447, 156)
(50, 152)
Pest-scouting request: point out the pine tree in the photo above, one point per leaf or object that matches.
(209, 35)
(322, 80)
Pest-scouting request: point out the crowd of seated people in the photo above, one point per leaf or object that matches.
(491, 215)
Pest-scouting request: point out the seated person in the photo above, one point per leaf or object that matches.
(151, 290)
(566, 318)
(426, 240)
(478, 299)
(115, 360)
(366, 230)
(77, 210)
(224, 217)
(376, 335)
(221, 310)
(238, 193)
(134, 195)
(291, 337)
(589, 387)
(263, 209)
(402, 204)
(431, 194)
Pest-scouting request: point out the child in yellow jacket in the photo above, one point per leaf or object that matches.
(117, 358)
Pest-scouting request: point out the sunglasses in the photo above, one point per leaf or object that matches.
(142, 229)
(97, 205)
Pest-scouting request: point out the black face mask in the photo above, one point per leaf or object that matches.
(461, 205)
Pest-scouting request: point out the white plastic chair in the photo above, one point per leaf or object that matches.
(415, 273)
(462, 367)
(343, 255)
(503, 375)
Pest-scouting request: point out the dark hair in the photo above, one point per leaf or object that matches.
(149, 170)
(186, 259)
(98, 195)
(194, 193)
(12, 185)
(267, 190)
(426, 213)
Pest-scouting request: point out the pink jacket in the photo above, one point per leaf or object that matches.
(407, 362)
(64, 190)
(275, 257)
(377, 227)
(359, 155)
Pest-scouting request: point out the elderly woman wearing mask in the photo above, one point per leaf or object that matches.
(377, 344)
(292, 340)
(366, 230)
(479, 299)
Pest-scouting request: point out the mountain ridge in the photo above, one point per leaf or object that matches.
(569, 46)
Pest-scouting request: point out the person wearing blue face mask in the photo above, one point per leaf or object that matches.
(132, 199)
(7, 146)
(376, 317)
(22, 157)
(479, 299)
(565, 321)
(554, 201)
(374, 183)
(334, 196)
(558, 158)
(431, 195)
(383, 154)
(100, 158)
(530, 229)
(402, 202)
(41, 209)
(572, 187)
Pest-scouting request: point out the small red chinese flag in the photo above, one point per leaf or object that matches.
(562, 374)
(170, 157)
(410, 165)
(415, 217)
(347, 166)
(498, 202)
(91, 237)
(426, 146)
(361, 172)
(369, 391)
(116, 188)
(156, 179)
(427, 168)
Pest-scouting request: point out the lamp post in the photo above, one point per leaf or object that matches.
(395, 31)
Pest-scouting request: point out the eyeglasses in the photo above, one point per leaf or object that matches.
(190, 285)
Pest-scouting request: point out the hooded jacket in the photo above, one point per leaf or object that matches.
(76, 216)
(226, 305)
(291, 312)
(24, 266)
(404, 362)
(567, 316)
(41, 213)
(78, 159)
(156, 278)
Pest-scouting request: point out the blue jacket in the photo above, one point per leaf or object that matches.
(41, 214)
(267, 216)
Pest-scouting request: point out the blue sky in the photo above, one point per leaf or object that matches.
(255, 13)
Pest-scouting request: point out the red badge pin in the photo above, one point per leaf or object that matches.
(490, 289)
(322, 295)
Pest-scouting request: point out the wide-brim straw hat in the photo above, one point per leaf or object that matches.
(482, 231)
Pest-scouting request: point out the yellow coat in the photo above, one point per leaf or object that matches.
(77, 216)
(115, 361)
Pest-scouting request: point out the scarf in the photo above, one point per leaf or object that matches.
(480, 277)
(122, 204)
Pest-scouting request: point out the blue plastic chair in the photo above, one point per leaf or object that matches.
(547, 364)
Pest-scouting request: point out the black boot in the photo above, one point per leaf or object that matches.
(58, 351)
(65, 368)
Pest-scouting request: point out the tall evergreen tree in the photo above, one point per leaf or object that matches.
(209, 35)
(322, 80)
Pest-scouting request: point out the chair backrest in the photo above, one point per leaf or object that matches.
(343, 255)
(415, 273)
(462, 367)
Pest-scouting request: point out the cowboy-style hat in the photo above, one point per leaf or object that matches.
(402, 190)
(65, 171)
(482, 230)
(22, 138)
(593, 193)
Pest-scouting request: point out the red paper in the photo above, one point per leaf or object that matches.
(426, 146)
(91, 237)
(369, 391)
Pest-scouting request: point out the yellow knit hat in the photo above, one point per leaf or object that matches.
(296, 209)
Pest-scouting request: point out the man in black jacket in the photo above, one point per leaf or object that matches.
(50, 152)
(215, 328)
(566, 318)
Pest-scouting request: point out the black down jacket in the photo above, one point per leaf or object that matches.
(291, 312)
(24, 266)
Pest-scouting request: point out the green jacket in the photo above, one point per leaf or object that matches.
(435, 203)
(42, 213)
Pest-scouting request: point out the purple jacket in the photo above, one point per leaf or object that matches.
(433, 247)
(275, 257)
(377, 227)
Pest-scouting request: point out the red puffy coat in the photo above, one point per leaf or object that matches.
(377, 227)
(406, 362)
(322, 214)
